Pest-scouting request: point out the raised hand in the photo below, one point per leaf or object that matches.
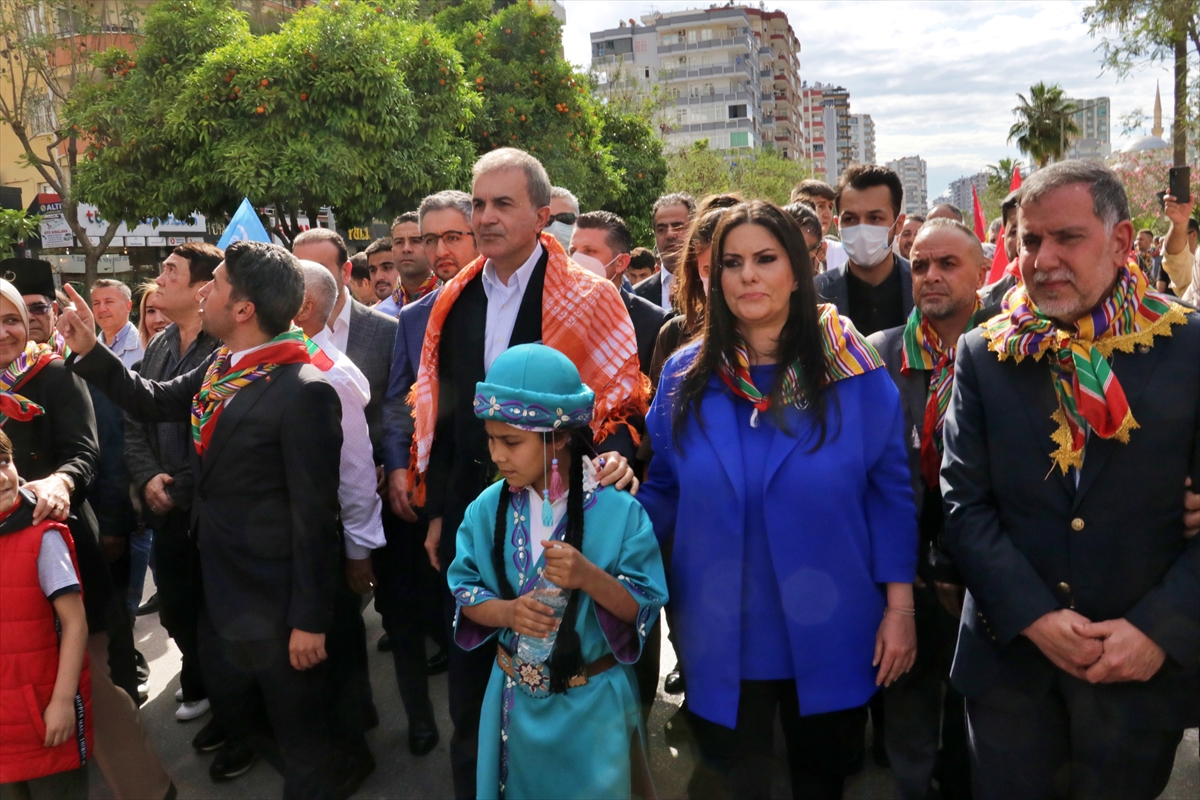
(76, 323)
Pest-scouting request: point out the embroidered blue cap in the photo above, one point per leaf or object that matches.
(535, 388)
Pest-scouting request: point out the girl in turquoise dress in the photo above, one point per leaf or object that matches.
(570, 726)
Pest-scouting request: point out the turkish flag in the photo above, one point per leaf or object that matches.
(980, 222)
(999, 260)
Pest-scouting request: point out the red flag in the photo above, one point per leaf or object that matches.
(1016, 181)
(980, 223)
(999, 260)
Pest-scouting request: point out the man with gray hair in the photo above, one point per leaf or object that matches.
(112, 303)
(522, 290)
(1072, 429)
(564, 208)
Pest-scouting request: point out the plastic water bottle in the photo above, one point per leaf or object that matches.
(530, 649)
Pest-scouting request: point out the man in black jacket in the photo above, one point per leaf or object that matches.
(1073, 426)
(265, 507)
(672, 217)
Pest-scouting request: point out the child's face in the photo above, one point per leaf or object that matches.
(518, 454)
(9, 483)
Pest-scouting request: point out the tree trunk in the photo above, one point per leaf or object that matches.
(1179, 126)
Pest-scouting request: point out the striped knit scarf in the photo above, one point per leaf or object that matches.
(1089, 394)
(221, 382)
(401, 297)
(583, 317)
(925, 351)
(31, 361)
(846, 354)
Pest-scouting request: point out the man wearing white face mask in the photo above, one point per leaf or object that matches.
(874, 288)
(564, 208)
(601, 242)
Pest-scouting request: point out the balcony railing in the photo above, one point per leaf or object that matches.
(745, 41)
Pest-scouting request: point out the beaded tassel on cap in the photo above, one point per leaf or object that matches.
(547, 509)
(557, 492)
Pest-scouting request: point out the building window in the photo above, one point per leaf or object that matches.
(639, 46)
(739, 139)
(818, 148)
(705, 34)
(708, 89)
(738, 111)
(647, 72)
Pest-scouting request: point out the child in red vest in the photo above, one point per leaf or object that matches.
(45, 688)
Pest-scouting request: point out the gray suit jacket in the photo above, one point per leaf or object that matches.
(831, 286)
(914, 389)
(369, 346)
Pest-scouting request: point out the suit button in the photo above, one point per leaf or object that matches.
(1077, 524)
(1065, 588)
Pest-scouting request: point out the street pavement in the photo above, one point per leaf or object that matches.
(400, 775)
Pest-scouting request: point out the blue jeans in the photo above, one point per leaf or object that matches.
(139, 559)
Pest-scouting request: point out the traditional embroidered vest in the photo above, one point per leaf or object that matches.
(29, 665)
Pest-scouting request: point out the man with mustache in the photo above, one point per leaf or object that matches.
(948, 267)
(672, 217)
(1073, 424)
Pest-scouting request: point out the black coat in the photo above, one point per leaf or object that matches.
(265, 508)
(648, 319)
(64, 439)
(1029, 542)
(650, 289)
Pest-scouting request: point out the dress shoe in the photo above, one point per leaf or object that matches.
(190, 711)
(143, 690)
(384, 645)
(422, 737)
(179, 695)
(211, 737)
(232, 760)
(674, 683)
(143, 668)
(149, 607)
(438, 663)
(362, 766)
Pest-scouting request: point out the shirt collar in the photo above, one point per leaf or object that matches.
(234, 358)
(342, 320)
(521, 275)
(324, 340)
(120, 342)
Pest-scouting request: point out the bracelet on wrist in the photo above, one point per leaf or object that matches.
(908, 612)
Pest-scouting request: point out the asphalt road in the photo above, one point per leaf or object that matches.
(400, 775)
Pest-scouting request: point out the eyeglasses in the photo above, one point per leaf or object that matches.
(451, 238)
(566, 218)
(38, 309)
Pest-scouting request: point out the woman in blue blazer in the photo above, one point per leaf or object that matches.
(781, 474)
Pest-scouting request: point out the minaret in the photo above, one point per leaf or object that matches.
(1157, 130)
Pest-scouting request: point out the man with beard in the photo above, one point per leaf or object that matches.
(381, 274)
(412, 278)
(1073, 424)
(948, 268)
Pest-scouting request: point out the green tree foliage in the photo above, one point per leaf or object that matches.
(760, 173)
(1147, 32)
(15, 227)
(697, 170)
(531, 96)
(1045, 124)
(351, 105)
(638, 154)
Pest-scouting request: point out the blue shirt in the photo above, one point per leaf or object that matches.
(766, 649)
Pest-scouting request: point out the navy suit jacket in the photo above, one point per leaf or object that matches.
(1029, 541)
(398, 421)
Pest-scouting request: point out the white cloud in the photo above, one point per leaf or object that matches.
(939, 79)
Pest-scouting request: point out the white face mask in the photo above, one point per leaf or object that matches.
(866, 245)
(561, 231)
(591, 264)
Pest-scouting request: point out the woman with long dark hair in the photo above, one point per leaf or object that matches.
(780, 472)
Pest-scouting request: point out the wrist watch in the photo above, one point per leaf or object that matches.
(67, 479)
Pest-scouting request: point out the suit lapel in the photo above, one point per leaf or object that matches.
(235, 409)
(783, 444)
(721, 429)
(1133, 370)
(906, 294)
(357, 337)
(1035, 387)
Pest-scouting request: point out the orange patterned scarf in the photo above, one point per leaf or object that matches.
(583, 317)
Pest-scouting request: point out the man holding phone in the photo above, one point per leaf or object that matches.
(1179, 249)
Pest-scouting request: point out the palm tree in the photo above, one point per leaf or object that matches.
(1045, 124)
(1000, 175)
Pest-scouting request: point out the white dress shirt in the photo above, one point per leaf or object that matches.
(339, 326)
(835, 254)
(668, 280)
(361, 506)
(503, 304)
(127, 345)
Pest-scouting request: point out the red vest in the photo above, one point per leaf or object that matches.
(29, 665)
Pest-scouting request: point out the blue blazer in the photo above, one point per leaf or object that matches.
(841, 524)
(398, 423)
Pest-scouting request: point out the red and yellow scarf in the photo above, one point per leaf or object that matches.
(1089, 394)
(925, 351)
(847, 353)
(31, 361)
(223, 380)
(583, 318)
(401, 297)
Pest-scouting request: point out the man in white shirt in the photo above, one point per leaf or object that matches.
(112, 303)
(820, 195)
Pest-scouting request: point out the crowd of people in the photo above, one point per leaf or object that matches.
(865, 485)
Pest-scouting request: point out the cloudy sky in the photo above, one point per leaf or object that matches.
(939, 79)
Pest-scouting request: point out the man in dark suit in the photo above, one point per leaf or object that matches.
(1073, 425)
(874, 287)
(948, 267)
(672, 215)
(265, 507)
(601, 242)
(993, 294)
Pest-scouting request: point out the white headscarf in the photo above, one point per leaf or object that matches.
(10, 293)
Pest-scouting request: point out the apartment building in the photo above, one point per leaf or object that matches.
(960, 191)
(862, 139)
(731, 74)
(914, 176)
(1093, 118)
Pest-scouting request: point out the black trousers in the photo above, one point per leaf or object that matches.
(923, 709)
(180, 595)
(740, 762)
(468, 680)
(1064, 745)
(285, 714)
(346, 645)
(407, 597)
